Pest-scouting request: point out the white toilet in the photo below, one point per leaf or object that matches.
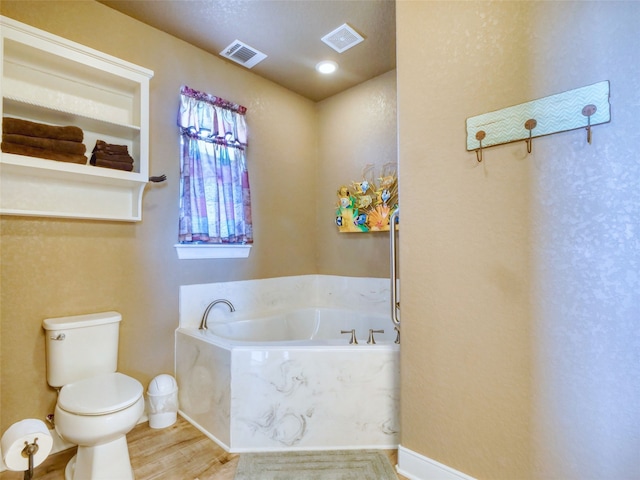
(96, 406)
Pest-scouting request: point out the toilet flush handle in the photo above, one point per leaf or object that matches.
(59, 337)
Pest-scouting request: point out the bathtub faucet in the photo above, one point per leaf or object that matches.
(353, 340)
(203, 323)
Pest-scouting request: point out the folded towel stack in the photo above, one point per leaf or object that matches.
(111, 156)
(32, 139)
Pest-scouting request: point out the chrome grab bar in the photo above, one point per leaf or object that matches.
(395, 304)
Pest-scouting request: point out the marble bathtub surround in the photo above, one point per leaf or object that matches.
(259, 298)
(268, 396)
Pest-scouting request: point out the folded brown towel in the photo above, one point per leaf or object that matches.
(8, 147)
(110, 157)
(117, 165)
(33, 129)
(103, 146)
(62, 146)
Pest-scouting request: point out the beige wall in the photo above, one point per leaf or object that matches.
(520, 285)
(520, 275)
(356, 128)
(53, 267)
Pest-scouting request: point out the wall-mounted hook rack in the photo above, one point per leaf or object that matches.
(557, 113)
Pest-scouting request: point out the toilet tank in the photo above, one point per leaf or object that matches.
(81, 346)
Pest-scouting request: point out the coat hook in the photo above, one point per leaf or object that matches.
(480, 136)
(530, 125)
(587, 111)
(158, 179)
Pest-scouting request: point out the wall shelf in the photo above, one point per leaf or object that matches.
(51, 80)
(23, 108)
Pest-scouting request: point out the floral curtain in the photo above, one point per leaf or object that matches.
(215, 201)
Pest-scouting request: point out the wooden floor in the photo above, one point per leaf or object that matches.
(178, 452)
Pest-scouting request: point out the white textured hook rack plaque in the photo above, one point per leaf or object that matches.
(557, 113)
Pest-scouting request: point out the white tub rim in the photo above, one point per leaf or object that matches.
(212, 333)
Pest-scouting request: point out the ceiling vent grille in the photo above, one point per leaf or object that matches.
(243, 54)
(342, 38)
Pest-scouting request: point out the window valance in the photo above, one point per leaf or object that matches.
(210, 118)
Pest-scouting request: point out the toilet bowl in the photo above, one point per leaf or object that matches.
(97, 406)
(96, 414)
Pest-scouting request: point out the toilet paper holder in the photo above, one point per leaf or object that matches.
(29, 450)
(25, 445)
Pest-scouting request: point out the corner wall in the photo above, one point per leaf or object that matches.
(356, 128)
(520, 287)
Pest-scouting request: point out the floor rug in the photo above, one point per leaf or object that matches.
(323, 465)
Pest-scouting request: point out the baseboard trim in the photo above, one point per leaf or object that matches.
(204, 431)
(418, 467)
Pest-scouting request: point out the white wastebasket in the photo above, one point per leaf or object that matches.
(163, 401)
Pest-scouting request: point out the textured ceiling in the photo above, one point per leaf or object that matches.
(288, 31)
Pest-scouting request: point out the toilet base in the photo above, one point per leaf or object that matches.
(101, 462)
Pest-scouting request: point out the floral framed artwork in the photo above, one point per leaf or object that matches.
(367, 205)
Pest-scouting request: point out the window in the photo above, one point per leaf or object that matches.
(215, 199)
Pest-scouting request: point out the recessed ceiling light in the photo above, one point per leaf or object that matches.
(327, 67)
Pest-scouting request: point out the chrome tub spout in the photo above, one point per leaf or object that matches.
(203, 322)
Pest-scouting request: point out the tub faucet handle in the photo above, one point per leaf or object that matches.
(372, 341)
(353, 339)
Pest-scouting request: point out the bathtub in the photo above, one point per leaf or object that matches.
(291, 381)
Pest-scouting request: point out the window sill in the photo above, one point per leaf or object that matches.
(194, 252)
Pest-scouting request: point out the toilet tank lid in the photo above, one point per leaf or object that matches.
(79, 321)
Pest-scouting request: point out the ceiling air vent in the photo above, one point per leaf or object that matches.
(342, 38)
(243, 54)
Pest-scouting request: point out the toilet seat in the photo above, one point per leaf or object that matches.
(100, 395)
